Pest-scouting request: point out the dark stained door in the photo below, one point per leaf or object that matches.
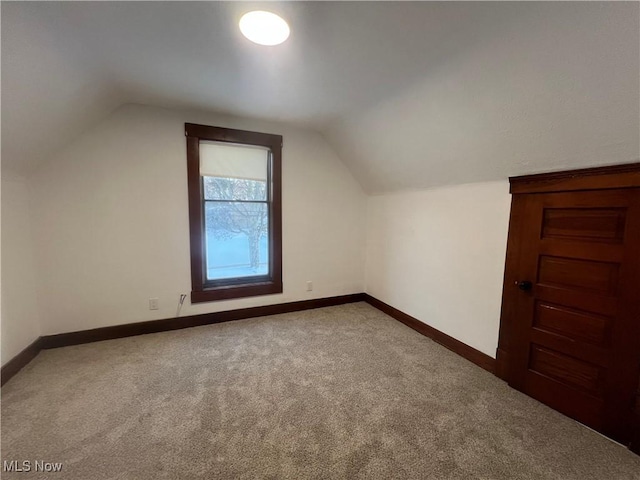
(575, 341)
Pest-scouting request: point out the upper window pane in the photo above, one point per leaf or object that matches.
(234, 189)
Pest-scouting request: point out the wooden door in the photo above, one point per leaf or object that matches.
(572, 302)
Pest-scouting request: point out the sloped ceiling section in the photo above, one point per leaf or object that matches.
(559, 89)
(410, 94)
(52, 88)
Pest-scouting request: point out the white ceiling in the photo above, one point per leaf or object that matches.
(410, 95)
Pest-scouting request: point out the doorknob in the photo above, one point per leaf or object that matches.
(524, 285)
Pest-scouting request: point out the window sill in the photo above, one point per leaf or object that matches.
(235, 291)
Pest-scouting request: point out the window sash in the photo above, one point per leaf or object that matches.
(202, 290)
(240, 279)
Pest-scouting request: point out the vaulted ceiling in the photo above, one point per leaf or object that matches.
(411, 95)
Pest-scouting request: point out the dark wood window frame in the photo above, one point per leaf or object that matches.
(202, 291)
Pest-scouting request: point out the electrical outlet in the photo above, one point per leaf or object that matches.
(309, 286)
(153, 304)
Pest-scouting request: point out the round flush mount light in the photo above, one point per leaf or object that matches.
(264, 28)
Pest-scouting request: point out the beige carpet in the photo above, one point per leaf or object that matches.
(335, 393)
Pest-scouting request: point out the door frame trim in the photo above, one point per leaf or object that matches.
(597, 178)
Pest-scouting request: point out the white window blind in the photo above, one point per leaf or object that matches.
(233, 161)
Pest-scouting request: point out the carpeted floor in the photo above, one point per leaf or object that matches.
(335, 393)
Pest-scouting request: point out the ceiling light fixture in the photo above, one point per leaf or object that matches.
(264, 28)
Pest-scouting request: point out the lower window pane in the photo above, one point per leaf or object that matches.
(236, 238)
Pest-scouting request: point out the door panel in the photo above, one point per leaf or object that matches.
(566, 369)
(583, 250)
(570, 401)
(577, 325)
(577, 300)
(586, 224)
(575, 334)
(580, 351)
(578, 274)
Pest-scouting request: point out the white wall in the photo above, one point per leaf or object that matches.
(439, 256)
(111, 222)
(110, 230)
(19, 291)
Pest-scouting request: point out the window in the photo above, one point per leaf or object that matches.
(235, 199)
